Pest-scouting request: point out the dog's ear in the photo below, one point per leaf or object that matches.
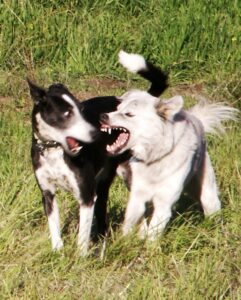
(168, 108)
(37, 93)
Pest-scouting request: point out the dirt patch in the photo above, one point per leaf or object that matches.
(84, 95)
(190, 90)
(106, 86)
(97, 86)
(5, 103)
(94, 87)
(5, 100)
(105, 83)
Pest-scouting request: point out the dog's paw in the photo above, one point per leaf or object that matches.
(83, 247)
(143, 229)
(126, 229)
(57, 245)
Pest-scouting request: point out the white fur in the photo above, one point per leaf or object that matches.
(54, 227)
(209, 195)
(85, 222)
(55, 172)
(168, 144)
(212, 115)
(132, 62)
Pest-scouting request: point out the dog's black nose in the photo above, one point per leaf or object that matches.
(104, 118)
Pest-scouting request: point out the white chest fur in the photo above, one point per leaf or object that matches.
(54, 172)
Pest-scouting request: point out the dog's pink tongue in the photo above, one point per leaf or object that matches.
(72, 143)
(118, 144)
(122, 138)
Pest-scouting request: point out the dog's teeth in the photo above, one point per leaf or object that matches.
(77, 149)
(110, 148)
(109, 130)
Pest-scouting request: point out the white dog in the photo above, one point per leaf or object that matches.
(169, 153)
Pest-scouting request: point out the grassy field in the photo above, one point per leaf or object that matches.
(198, 43)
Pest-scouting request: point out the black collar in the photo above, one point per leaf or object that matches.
(43, 145)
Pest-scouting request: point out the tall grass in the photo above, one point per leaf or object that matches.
(194, 259)
(192, 39)
(199, 43)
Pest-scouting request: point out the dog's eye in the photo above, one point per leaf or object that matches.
(68, 114)
(129, 114)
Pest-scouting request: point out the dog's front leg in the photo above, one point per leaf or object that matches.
(163, 201)
(86, 212)
(52, 212)
(161, 216)
(135, 210)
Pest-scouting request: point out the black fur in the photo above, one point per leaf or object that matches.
(47, 202)
(158, 79)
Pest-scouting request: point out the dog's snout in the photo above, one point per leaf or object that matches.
(104, 118)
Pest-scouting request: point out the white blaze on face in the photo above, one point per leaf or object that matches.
(76, 128)
(47, 132)
(79, 128)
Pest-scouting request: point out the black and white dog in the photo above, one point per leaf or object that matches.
(169, 152)
(65, 155)
(69, 151)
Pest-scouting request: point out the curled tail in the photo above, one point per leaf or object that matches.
(136, 63)
(213, 114)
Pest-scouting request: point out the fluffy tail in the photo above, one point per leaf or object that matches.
(136, 63)
(213, 114)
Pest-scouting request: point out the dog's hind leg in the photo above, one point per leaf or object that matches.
(203, 188)
(208, 188)
(52, 212)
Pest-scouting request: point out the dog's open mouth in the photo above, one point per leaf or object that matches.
(120, 136)
(74, 145)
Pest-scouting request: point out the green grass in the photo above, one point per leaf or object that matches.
(194, 259)
(194, 40)
(77, 43)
